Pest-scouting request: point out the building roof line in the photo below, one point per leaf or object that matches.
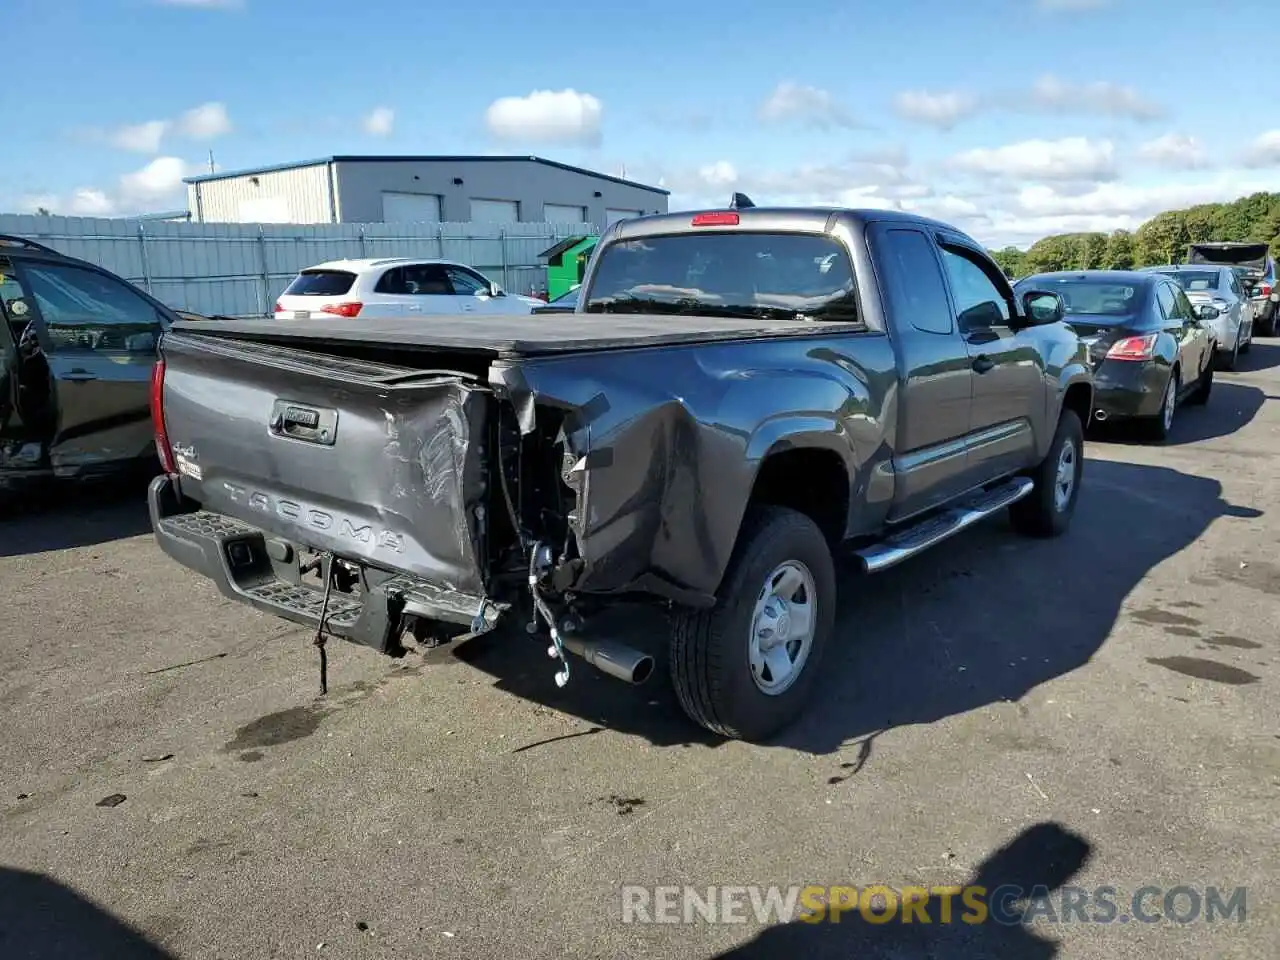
(443, 158)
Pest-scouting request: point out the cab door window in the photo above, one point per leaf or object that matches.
(979, 301)
(86, 311)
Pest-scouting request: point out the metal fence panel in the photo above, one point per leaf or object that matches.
(238, 269)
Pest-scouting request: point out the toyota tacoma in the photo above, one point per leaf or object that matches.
(738, 395)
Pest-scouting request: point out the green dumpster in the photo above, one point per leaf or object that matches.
(567, 263)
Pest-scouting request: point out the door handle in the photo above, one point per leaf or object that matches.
(79, 375)
(983, 363)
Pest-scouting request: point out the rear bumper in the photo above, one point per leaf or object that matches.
(1122, 388)
(263, 571)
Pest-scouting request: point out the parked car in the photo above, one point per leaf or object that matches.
(1232, 313)
(738, 393)
(1149, 347)
(395, 287)
(1256, 269)
(567, 302)
(77, 345)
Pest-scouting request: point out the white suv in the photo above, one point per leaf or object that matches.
(395, 287)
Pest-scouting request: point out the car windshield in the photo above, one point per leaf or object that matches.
(1085, 298)
(766, 275)
(1194, 281)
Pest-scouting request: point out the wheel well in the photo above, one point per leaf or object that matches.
(813, 482)
(1079, 398)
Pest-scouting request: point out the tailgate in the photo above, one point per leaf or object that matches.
(376, 463)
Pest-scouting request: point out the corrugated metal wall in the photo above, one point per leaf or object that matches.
(238, 269)
(299, 195)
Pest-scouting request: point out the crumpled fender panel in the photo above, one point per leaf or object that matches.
(664, 444)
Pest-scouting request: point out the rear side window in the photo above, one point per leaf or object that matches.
(1168, 302)
(916, 292)
(320, 283)
(771, 275)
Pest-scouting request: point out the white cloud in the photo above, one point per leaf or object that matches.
(1053, 95)
(810, 106)
(1175, 151)
(547, 116)
(89, 202)
(1264, 151)
(379, 122)
(943, 110)
(1071, 158)
(159, 179)
(205, 122)
(141, 137)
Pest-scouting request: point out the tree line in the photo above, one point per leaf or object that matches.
(1162, 239)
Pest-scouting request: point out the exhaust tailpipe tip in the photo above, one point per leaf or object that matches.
(615, 659)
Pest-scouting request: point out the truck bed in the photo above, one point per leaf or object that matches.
(521, 335)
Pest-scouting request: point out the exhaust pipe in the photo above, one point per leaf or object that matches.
(608, 656)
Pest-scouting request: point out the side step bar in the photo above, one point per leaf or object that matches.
(921, 536)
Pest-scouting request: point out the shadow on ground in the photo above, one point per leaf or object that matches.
(980, 619)
(1230, 408)
(62, 515)
(1263, 355)
(40, 919)
(1037, 862)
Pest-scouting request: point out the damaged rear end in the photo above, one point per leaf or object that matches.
(373, 496)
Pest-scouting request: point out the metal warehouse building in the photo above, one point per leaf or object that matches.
(434, 189)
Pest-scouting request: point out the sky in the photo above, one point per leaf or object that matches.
(1011, 119)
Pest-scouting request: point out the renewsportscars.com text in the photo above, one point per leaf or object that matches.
(1009, 905)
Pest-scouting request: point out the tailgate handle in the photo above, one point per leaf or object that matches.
(298, 421)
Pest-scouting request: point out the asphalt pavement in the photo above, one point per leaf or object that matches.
(1101, 710)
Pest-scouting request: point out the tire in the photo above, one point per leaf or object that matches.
(1267, 325)
(711, 659)
(1200, 396)
(1042, 512)
(1233, 359)
(1159, 426)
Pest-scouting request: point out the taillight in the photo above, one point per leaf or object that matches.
(342, 309)
(279, 307)
(1133, 348)
(163, 450)
(726, 219)
(1266, 289)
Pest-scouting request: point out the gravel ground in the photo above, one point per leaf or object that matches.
(1100, 710)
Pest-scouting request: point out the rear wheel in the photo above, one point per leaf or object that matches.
(1162, 423)
(744, 668)
(1047, 510)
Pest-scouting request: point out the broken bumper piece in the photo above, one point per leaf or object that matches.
(236, 556)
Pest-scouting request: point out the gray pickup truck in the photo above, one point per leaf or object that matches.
(739, 394)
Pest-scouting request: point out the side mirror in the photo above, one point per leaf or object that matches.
(495, 290)
(1207, 311)
(1043, 306)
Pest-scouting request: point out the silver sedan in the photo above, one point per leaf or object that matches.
(1220, 300)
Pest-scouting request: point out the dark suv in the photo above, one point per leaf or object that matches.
(77, 345)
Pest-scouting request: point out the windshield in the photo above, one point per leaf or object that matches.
(1194, 281)
(769, 275)
(1091, 297)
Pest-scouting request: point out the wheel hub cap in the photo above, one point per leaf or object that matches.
(782, 627)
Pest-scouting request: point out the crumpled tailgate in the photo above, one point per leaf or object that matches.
(376, 463)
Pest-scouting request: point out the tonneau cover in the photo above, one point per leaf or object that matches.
(521, 335)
